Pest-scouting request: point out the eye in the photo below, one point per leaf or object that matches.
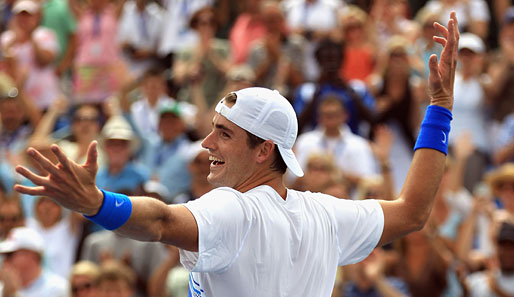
(225, 135)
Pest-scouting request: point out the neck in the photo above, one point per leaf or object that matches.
(267, 177)
(332, 132)
(115, 169)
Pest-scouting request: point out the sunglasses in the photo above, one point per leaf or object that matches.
(12, 219)
(79, 119)
(505, 185)
(78, 288)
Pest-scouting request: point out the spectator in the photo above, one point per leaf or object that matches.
(399, 94)
(11, 215)
(277, 57)
(425, 45)
(497, 281)
(198, 167)
(501, 182)
(166, 157)
(501, 70)
(359, 50)
(368, 278)
(120, 172)
(144, 112)
(34, 48)
(315, 20)
(83, 279)
(86, 122)
(470, 105)
(57, 15)
(351, 152)
(116, 279)
(320, 173)
(247, 28)
(23, 258)
(143, 257)
(60, 232)
(473, 15)
(175, 33)
(98, 66)
(206, 61)
(139, 33)
(358, 101)
(503, 143)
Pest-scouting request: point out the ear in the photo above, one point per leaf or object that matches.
(265, 151)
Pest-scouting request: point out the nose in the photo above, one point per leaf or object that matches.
(208, 142)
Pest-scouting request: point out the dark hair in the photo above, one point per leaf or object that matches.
(329, 44)
(278, 163)
(193, 21)
(154, 71)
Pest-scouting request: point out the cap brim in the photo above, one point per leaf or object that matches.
(290, 160)
(8, 247)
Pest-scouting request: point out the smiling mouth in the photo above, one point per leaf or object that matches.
(216, 161)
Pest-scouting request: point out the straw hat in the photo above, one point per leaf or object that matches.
(118, 128)
(502, 174)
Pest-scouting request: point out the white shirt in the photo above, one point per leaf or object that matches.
(469, 112)
(146, 117)
(60, 245)
(258, 244)
(478, 11)
(176, 34)
(478, 284)
(47, 285)
(352, 153)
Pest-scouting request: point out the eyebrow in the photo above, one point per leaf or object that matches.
(224, 128)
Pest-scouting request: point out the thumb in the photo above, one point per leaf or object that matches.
(92, 157)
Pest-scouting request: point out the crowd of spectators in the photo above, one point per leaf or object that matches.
(142, 78)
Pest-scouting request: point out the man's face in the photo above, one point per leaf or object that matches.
(331, 116)
(171, 126)
(506, 257)
(21, 260)
(118, 151)
(11, 113)
(10, 216)
(233, 161)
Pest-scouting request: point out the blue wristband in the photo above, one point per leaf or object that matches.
(114, 212)
(435, 129)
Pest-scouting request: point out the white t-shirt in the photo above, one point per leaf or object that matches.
(258, 244)
(478, 284)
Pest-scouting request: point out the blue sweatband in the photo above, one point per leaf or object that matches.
(114, 212)
(435, 129)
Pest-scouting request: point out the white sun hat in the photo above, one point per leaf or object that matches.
(22, 238)
(268, 115)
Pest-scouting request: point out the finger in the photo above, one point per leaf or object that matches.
(434, 77)
(92, 155)
(61, 156)
(34, 178)
(444, 31)
(43, 161)
(33, 191)
(440, 40)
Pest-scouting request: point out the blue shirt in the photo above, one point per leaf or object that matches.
(129, 179)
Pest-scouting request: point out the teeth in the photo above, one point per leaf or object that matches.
(212, 158)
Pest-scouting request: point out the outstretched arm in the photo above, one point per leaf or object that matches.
(410, 211)
(73, 186)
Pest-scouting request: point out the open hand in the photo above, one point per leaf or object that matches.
(442, 74)
(69, 184)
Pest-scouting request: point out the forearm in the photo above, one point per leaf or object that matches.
(153, 220)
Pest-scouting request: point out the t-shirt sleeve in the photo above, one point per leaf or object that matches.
(223, 223)
(359, 228)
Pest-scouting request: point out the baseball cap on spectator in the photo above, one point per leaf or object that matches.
(508, 16)
(118, 128)
(22, 238)
(471, 42)
(266, 114)
(241, 73)
(506, 232)
(169, 106)
(28, 6)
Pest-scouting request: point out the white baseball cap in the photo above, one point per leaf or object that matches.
(25, 5)
(268, 115)
(472, 42)
(22, 238)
